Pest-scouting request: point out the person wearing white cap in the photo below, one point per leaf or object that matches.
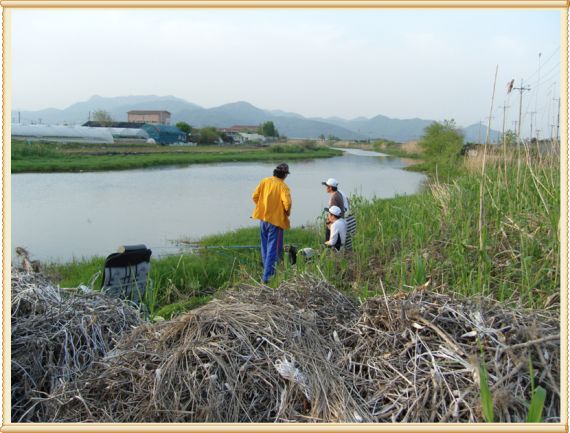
(337, 227)
(336, 198)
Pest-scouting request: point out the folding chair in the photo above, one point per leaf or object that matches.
(350, 231)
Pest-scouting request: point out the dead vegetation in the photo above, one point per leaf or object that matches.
(306, 353)
(56, 335)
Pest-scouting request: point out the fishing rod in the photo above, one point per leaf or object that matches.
(186, 247)
(197, 246)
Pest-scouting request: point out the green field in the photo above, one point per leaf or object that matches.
(57, 157)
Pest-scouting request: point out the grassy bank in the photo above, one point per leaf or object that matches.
(491, 231)
(53, 157)
(184, 281)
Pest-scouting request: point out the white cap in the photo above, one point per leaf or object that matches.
(335, 210)
(331, 182)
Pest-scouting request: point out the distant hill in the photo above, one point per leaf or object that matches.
(118, 106)
(477, 133)
(292, 125)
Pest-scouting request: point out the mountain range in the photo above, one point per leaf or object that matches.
(292, 125)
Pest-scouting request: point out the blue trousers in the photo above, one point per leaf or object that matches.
(271, 248)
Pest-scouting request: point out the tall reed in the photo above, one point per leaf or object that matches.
(434, 235)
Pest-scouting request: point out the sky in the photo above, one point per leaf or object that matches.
(430, 64)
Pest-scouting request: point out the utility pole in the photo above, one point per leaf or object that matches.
(521, 89)
(19, 117)
(558, 123)
(532, 114)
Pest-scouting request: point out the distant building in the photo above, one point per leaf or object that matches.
(159, 117)
(165, 134)
(252, 137)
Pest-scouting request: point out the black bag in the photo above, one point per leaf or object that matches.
(126, 273)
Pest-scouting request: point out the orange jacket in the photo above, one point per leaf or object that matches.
(272, 200)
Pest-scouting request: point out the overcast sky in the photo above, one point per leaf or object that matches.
(432, 64)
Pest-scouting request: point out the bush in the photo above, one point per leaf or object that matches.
(442, 141)
(441, 145)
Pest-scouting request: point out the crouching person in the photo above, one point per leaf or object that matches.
(337, 228)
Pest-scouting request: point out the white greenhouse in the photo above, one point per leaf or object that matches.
(69, 134)
(129, 133)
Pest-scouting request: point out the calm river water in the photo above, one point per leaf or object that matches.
(62, 216)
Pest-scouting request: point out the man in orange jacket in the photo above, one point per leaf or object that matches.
(272, 200)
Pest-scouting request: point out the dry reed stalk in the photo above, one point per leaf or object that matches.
(412, 147)
(257, 355)
(56, 335)
(425, 364)
(305, 353)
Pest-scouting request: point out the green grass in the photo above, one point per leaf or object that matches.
(433, 236)
(431, 239)
(43, 157)
(185, 281)
(306, 236)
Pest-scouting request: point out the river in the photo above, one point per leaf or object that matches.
(59, 217)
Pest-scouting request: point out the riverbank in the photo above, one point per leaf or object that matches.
(73, 157)
(190, 278)
(495, 235)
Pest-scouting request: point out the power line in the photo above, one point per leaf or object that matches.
(550, 77)
(545, 62)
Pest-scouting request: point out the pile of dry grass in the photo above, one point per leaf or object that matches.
(258, 355)
(305, 353)
(56, 335)
(417, 357)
